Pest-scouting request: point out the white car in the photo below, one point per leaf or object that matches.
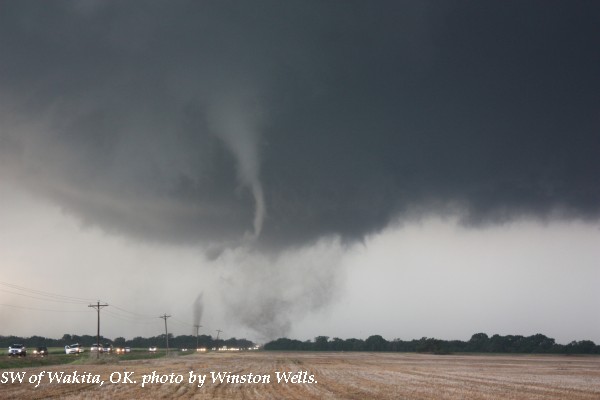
(95, 348)
(17, 350)
(73, 349)
(152, 349)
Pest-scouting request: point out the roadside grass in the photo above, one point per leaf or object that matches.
(56, 356)
(135, 355)
(7, 362)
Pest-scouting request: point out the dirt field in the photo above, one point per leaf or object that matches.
(336, 376)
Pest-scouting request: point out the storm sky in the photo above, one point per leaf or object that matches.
(300, 168)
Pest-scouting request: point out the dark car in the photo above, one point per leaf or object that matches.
(41, 351)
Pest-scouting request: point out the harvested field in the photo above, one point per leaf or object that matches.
(337, 376)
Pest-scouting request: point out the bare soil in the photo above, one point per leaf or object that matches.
(337, 375)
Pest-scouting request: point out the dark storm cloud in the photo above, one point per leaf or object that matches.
(287, 121)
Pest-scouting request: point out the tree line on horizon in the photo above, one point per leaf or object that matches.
(479, 343)
(182, 341)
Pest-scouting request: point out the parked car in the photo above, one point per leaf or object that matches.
(17, 350)
(74, 348)
(41, 351)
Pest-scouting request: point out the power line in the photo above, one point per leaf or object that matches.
(41, 309)
(44, 299)
(182, 322)
(129, 318)
(44, 293)
(132, 313)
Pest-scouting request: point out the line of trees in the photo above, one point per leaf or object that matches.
(479, 343)
(182, 341)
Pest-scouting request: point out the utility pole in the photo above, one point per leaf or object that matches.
(218, 333)
(197, 329)
(165, 316)
(98, 307)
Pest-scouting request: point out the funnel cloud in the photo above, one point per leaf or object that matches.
(198, 309)
(235, 119)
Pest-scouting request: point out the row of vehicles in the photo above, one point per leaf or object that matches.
(76, 348)
(108, 348)
(19, 350)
